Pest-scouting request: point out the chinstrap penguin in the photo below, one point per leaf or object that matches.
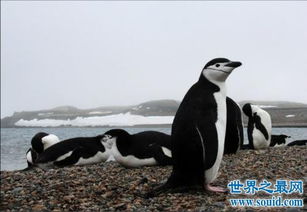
(74, 151)
(297, 143)
(278, 140)
(259, 127)
(198, 131)
(146, 148)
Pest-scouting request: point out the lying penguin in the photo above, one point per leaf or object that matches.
(278, 140)
(146, 148)
(40, 142)
(297, 143)
(75, 151)
(259, 127)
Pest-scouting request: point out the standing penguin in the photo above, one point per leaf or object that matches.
(259, 127)
(198, 131)
(146, 148)
(40, 142)
(234, 132)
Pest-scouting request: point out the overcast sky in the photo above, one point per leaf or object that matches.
(90, 54)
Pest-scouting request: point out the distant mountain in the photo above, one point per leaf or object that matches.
(282, 113)
(151, 108)
(278, 104)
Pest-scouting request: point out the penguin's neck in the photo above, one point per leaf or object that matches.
(205, 83)
(222, 87)
(123, 143)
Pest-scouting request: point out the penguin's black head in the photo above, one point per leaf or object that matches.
(111, 136)
(247, 109)
(219, 69)
(37, 143)
(285, 136)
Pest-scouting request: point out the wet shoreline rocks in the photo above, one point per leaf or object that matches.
(111, 187)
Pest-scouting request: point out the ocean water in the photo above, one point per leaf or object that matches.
(16, 141)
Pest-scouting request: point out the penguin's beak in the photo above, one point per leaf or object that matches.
(234, 64)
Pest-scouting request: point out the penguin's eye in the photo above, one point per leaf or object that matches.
(217, 65)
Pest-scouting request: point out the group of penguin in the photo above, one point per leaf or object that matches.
(130, 150)
(207, 125)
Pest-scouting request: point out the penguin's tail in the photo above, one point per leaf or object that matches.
(165, 188)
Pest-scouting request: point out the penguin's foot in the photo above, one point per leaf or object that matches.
(208, 187)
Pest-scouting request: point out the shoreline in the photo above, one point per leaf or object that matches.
(111, 187)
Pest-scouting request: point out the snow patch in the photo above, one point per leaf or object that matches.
(290, 116)
(266, 106)
(126, 119)
(99, 112)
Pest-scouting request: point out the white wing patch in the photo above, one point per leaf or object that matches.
(166, 151)
(131, 160)
(202, 143)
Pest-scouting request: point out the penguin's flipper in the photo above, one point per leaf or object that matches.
(159, 155)
(250, 133)
(70, 160)
(208, 138)
(260, 126)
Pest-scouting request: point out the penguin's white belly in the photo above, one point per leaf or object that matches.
(220, 125)
(259, 140)
(29, 157)
(99, 157)
(130, 160)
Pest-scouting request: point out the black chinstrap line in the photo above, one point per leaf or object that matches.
(219, 70)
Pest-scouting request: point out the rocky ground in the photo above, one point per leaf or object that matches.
(111, 187)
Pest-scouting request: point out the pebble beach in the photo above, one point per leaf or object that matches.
(111, 187)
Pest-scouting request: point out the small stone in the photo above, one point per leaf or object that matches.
(219, 204)
(17, 190)
(38, 207)
(293, 210)
(120, 206)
